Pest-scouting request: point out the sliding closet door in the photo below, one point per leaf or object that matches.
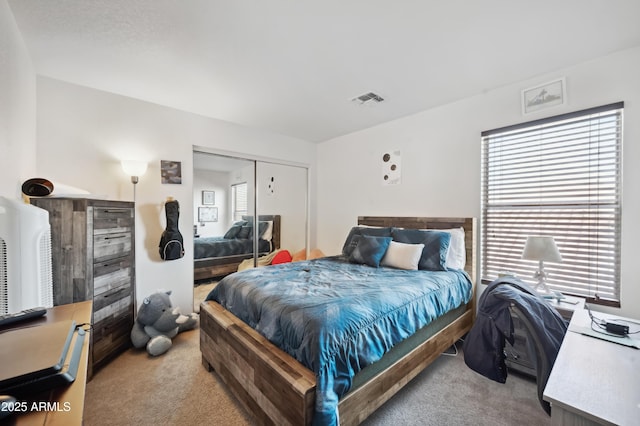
(282, 190)
(230, 189)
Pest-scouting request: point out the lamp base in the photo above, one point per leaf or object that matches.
(542, 289)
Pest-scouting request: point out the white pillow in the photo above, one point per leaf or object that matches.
(457, 253)
(402, 256)
(268, 234)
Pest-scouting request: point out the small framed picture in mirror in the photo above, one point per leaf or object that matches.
(208, 198)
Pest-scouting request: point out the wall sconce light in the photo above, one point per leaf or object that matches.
(135, 169)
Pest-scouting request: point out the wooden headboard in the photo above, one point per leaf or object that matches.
(467, 223)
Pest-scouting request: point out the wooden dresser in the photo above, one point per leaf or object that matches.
(92, 244)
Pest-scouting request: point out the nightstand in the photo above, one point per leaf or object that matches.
(519, 356)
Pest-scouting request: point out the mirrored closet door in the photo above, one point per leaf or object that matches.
(229, 193)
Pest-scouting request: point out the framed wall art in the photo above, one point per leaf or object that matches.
(553, 93)
(171, 172)
(208, 198)
(207, 214)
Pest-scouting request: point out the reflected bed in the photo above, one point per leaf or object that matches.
(218, 256)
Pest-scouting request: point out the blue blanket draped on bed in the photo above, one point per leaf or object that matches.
(336, 317)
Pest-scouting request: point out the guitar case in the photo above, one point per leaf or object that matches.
(171, 242)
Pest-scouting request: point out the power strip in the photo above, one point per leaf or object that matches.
(617, 329)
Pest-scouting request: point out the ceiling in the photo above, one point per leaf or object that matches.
(292, 67)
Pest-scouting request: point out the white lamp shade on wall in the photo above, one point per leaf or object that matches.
(134, 167)
(541, 248)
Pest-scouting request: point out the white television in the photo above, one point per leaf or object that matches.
(26, 278)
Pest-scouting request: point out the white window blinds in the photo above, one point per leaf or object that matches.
(239, 200)
(557, 177)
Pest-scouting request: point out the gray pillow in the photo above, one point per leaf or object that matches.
(349, 244)
(369, 250)
(245, 231)
(233, 232)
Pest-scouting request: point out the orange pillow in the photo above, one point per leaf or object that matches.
(315, 254)
(283, 256)
(299, 255)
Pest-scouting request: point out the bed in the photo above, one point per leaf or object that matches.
(276, 388)
(219, 256)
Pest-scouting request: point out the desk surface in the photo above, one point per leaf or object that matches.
(62, 406)
(593, 379)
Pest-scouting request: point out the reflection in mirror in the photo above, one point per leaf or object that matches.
(222, 194)
(225, 190)
(282, 190)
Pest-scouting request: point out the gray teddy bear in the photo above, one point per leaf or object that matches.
(158, 322)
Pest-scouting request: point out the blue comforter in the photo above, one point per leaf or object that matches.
(335, 317)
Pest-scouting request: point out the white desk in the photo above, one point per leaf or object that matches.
(594, 381)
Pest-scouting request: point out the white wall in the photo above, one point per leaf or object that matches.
(441, 158)
(82, 134)
(17, 108)
(207, 180)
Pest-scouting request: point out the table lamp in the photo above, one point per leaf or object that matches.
(541, 249)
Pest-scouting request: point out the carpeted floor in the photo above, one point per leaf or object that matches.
(200, 292)
(175, 389)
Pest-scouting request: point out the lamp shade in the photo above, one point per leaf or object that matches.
(133, 167)
(541, 248)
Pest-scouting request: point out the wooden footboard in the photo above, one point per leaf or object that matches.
(217, 266)
(272, 386)
(276, 389)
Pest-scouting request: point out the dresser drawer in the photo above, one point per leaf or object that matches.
(110, 245)
(111, 336)
(114, 219)
(111, 274)
(110, 297)
(121, 303)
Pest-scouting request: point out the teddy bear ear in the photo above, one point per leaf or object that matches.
(146, 301)
(168, 293)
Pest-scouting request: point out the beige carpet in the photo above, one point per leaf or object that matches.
(200, 292)
(175, 389)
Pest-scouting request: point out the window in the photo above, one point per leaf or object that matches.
(239, 200)
(556, 177)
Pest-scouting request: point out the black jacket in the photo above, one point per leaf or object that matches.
(484, 345)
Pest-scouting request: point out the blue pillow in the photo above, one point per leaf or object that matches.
(436, 246)
(233, 232)
(245, 231)
(350, 244)
(369, 250)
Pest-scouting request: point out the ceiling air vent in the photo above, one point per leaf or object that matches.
(368, 98)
